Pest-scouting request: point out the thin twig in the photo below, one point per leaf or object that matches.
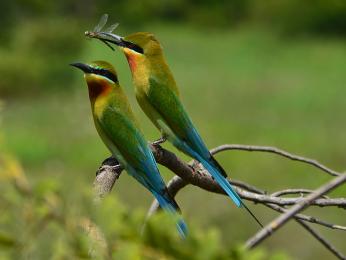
(200, 177)
(176, 184)
(247, 186)
(294, 191)
(322, 240)
(258, 198)
(299, 206)
(274, 150)
(307, 218)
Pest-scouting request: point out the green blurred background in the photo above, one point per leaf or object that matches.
(250, 72)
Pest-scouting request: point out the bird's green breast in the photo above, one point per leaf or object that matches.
(117, 126)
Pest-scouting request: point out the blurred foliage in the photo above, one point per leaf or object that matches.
(40, 38)
(322, 16)
(39, 222)
(37, 57)
(302, 17)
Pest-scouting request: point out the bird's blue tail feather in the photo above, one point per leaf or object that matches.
(213, 170)
(221, 180)
(169, 206)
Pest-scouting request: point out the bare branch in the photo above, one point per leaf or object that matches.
(307, 218)
(176, 184)
(274, 150)
(323, 241)
(258, 198)
(201, 178)
(196, 175)
(299, 206)
(294, 191)
(247, 186)
(106, 176)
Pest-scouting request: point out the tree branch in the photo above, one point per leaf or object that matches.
(299, 206)
(274, 150)
(322, 240)
(196, 175)
(176, 184)
(307, 218)
(106, 176)
(294, 191)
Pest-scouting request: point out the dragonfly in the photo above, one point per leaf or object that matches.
(98, 34)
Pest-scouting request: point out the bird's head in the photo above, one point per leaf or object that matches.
(139, 46)
(97, 71)
(142, 43)
(99, 75)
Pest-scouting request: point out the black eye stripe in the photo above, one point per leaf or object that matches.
(132, 46)
(106, 73)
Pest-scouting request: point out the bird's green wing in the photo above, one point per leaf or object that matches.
(167, 104)
(127, 142)
(185, 136)
(121, 132)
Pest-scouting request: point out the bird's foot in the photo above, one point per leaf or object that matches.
(195, 166)
(159, 141)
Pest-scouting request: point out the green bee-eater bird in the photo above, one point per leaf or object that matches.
(157, 94)
(119, 130)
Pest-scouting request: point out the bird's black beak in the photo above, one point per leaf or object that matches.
(111, 37)
(84, 67)
(108, 38)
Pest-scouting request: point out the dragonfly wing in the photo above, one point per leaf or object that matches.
(102, 23)
(111, 28)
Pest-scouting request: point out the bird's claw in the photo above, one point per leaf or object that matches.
(159, 141)
(194, 166)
